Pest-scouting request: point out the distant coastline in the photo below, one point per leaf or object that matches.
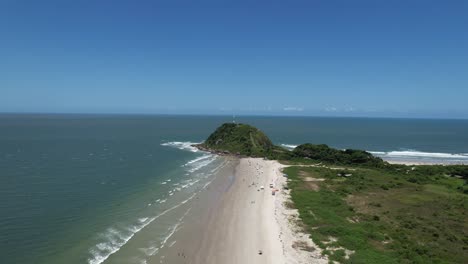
(392, 157)
(412, 157)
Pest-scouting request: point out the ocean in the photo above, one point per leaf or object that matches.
(114, 188)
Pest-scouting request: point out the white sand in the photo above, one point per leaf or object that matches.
(251, 220)
(297, 246)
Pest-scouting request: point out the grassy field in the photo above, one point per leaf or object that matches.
(397, 214)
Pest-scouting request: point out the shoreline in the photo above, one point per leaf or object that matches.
(410, 161)
(236, 219)
(418, 163)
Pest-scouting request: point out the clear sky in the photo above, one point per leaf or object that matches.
(340, 58)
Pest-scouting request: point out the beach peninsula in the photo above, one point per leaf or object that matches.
(317, 204)
(252, 222)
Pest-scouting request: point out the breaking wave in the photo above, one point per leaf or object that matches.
(420, 154)
(152, 250)
(182, 145)
(289, 146)
(197, 166)
(118, 235)
(197, 163)
(409, 154)
(197, 159)
(115, 238)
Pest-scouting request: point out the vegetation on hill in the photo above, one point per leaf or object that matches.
(247, 140)
(239, 139)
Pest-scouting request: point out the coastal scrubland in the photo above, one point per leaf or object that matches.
(400, 214)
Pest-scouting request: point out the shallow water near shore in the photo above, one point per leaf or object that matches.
(113, 189)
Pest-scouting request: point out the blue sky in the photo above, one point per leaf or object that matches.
(337, 58)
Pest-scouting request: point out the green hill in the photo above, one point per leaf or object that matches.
(240, 139)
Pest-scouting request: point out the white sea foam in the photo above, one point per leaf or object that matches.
(197, 159)
(182, 145)
(419, 154)
(197, 163)
(208, 183)
(289, 146)
(116, 239)
(377, 152)
(409, 154)
(197, 166)
(171, 232)
(174, 229)
(215, 170)
(150, 251)
(189, 183)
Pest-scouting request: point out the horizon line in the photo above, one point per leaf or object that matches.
(228, 115)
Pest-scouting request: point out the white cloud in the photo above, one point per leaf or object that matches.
(292, 108)
(331, 109)
(225, 109)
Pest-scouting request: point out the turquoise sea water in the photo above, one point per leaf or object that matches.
(90, 188)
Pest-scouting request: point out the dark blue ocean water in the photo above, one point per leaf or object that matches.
(80, 188)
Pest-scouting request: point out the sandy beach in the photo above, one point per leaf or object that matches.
(245, 223)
